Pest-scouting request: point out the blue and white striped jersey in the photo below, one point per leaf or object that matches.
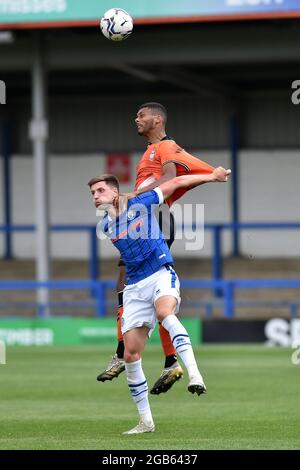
(137, 236)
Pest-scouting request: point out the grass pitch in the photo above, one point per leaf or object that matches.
(50, 399)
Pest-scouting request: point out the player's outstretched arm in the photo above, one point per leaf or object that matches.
(191, 181)
(168, 173)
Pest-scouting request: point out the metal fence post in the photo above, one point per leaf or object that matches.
(229, 299)
(100, 294)
(7, 196)
(235, 196)
(217, 259)
(293, 310)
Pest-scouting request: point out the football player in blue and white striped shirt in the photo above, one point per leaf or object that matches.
(152, 287)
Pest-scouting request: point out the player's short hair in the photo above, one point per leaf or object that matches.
(110, 180)
(156, 107)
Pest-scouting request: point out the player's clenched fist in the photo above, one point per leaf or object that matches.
(221, 174)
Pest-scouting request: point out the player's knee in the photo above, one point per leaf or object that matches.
(131, 355)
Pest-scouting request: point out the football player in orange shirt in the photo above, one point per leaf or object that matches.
(162, 161)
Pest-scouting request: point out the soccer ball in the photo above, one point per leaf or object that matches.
(116, 24)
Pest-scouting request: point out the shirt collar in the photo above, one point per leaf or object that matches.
(166, 137)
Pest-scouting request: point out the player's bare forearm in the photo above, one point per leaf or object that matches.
(169, 172)
(191, 181)
(149, 187)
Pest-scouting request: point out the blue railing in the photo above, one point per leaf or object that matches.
(89, 229)
(99, 288)
(228, 302)
(224, 289)
(216, 229)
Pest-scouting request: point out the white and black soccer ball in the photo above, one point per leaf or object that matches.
(116, 24)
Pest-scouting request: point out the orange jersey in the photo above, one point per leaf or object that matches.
(167, 151)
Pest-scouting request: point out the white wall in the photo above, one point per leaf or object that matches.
(269, 191)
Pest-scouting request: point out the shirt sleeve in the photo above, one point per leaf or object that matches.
(160, 194)
(153, 197)
(169, 151)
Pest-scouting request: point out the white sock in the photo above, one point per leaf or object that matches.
(182, 343)
(138, 388)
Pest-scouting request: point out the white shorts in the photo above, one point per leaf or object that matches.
(139, 298)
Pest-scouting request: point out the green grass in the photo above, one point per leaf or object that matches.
(50, 399)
